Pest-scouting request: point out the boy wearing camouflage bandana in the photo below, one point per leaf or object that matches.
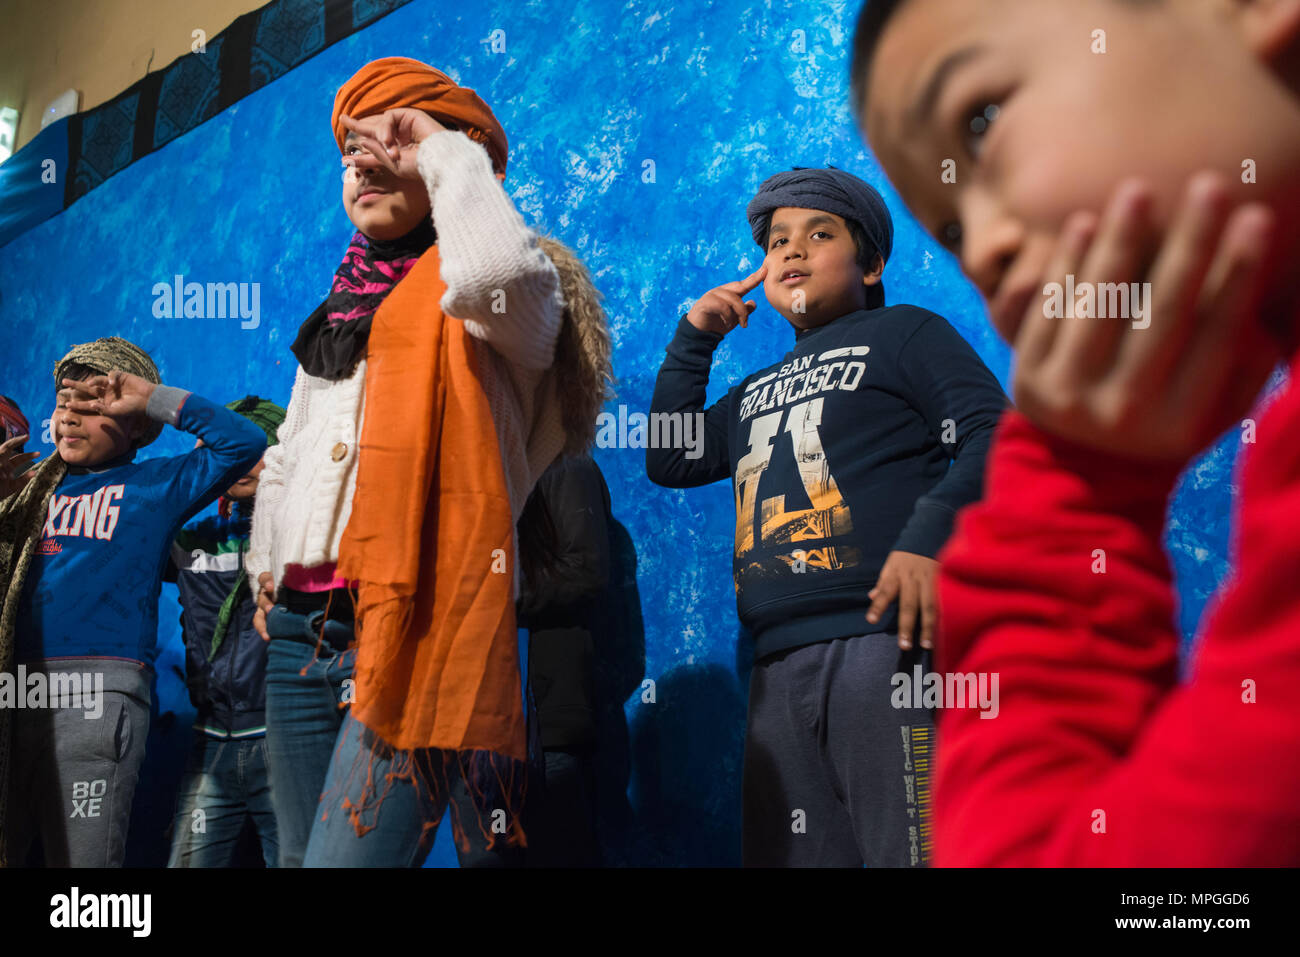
(83, 541)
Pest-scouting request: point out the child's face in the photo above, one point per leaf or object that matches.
(813, 276)
(244, 489)
(379, 203)
(87, 439)
(1038, 126)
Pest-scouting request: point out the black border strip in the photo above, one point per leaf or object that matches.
(236, 58)
(86, 172)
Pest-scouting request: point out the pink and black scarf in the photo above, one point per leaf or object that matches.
(333, 339)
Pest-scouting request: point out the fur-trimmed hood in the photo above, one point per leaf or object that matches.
(582, 368)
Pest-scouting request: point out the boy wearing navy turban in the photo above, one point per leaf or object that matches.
(849, 457)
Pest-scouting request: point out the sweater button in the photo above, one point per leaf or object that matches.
(338, 452)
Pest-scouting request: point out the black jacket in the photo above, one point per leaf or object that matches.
(564, 541)
(227, 684)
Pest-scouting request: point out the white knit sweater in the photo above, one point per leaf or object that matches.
(488, 257)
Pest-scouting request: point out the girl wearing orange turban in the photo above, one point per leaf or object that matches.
(424, 409)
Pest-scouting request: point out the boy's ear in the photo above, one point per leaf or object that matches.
(877, 270)
(1271, 27)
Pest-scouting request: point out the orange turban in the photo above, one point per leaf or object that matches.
(397, 81)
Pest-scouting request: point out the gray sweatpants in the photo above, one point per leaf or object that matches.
(75, 761)
(835, 776)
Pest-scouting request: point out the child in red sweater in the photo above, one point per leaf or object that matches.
(1125, 153)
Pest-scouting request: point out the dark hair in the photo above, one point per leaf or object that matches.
(868, 256)
(872, 21)
(866, 37)
(77, 372)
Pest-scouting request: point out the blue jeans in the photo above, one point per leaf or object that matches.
(403, 827)
(225, 784)
(305, 707)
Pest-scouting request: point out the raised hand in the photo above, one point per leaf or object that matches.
(391, 138)
(14, 471)
(118, 393)
(1163, 390)
(723, 308)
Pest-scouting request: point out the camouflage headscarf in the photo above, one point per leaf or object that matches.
(105, 356)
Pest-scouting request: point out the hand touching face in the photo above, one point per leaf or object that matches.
(1029, 155)
(98, 419)
(382, 190)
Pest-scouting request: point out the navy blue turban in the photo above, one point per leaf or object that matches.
(831, 190)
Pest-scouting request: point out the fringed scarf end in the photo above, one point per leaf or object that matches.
(497, 785)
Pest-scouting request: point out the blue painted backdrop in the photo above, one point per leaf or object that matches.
(718, 95)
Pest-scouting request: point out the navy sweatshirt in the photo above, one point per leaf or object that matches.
(92, 590)
(866, 438)
(227, 683)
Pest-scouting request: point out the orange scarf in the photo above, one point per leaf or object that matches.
(430, 539)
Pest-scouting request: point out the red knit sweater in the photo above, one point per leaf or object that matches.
(1099, 755)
